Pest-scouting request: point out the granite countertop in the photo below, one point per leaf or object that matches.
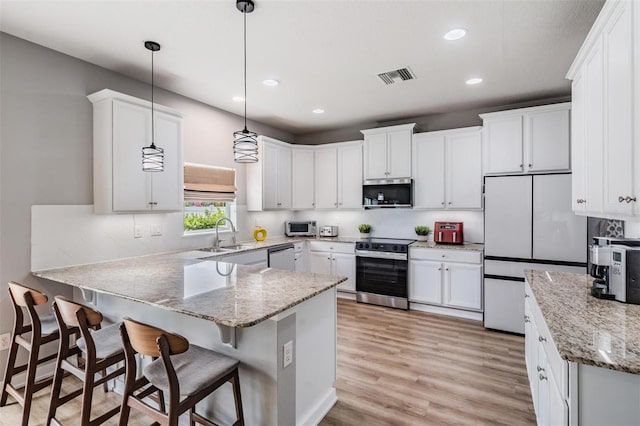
(193, 283)
(434, 245)
(586, 330)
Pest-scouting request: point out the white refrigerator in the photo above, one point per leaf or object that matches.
(528, 224)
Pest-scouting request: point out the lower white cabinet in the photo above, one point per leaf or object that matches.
(446, 277)
(334, 259)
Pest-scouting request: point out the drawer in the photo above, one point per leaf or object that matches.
(333, 247)
(446, 255)
(516, 269)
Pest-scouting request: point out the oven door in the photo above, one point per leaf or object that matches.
(384, 274)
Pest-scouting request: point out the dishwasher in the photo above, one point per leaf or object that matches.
(282, 257)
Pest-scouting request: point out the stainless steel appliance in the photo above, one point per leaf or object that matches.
(381, 272)
(306, 228)
(448, 233)
(528, 224)
(600, 265)
(328, 231)
(282, 257)
(379, 193)
(624, 274)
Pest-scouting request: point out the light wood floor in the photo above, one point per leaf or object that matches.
(409, 367)
(394, 367)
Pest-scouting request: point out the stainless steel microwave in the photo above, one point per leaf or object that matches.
(379, 193)
(305, 228)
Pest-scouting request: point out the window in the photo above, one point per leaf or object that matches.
(209, 195)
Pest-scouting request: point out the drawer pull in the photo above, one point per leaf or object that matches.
(629, 199)
(542, 339)
(539, 368)
(526, 295)
(542, 377)
(621, 199)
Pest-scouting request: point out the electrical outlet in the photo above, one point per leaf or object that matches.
(287, 359)
(5, 341)
(156, 231)
(137, 231)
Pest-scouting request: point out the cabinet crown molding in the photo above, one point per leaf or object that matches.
(511, 112)
(449, 131)
(112, 94)
(409, 126)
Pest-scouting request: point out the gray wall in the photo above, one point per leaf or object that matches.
(46, 145)
(425, 123)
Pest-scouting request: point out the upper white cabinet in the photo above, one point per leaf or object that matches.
(606, 115)
(387, 152)
(338, 176)
(121, 128)
(447, 169)
(302, 178)
(269, 180)
(527, 140)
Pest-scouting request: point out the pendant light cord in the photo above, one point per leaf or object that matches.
(153, 127)
(244, 12)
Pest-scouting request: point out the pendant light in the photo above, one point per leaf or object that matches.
(152, 156)
(245, 143)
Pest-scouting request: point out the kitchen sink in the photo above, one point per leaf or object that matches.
(226, 249)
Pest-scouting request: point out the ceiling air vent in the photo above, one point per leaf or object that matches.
(394, 76)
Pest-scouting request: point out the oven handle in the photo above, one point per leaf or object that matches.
(381, 255)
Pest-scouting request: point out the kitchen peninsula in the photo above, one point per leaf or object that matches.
(582, 353)
(256, 311)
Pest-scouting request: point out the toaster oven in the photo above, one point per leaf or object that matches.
(305, 228)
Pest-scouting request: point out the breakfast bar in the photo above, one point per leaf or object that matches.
(256, 312)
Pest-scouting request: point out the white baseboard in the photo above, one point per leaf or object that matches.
(315, 415)
(477, 316)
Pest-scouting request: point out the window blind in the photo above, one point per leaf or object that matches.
(209, 183)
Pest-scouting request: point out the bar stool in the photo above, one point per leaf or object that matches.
(101, 347)
(179, 369)
(43, 330)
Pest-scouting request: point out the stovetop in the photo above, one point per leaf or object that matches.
(384, 244)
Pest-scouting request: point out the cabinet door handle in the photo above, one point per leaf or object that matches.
(526, 295)
(542, 377)
(629, 199)
(442, 203)
(539, 368)
(542, 339)
(449, 202)
(621, 199)
(446, 269)
(521, 166)
(526, 318)
(530, 165)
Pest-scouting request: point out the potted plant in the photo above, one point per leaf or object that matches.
(422, 232)
(364, 229)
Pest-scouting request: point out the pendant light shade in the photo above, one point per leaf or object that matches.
(152, 156)
(245, 143)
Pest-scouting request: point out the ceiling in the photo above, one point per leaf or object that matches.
(326, 54)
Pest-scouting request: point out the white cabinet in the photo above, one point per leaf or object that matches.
(302, 178)
(122, 127)
(269, 180)
(606, 76)
(387, 152)
(447, 169)
(334, 259)
(527, 140)
(338, 176)
(444, 277)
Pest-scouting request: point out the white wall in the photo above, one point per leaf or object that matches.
(396, 223)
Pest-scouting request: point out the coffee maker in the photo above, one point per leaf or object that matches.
(600, 264)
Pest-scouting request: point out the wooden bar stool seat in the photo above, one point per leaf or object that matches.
(101, 348)
(42, 330)
(186, 373)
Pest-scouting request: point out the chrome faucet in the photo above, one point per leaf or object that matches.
(216, 241)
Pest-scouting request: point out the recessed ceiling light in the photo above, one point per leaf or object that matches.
(318, 111)
(270, 82)
(238, 99)
(455, 34)
(473, 81)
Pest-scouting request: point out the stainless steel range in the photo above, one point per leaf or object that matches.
(381, 272)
